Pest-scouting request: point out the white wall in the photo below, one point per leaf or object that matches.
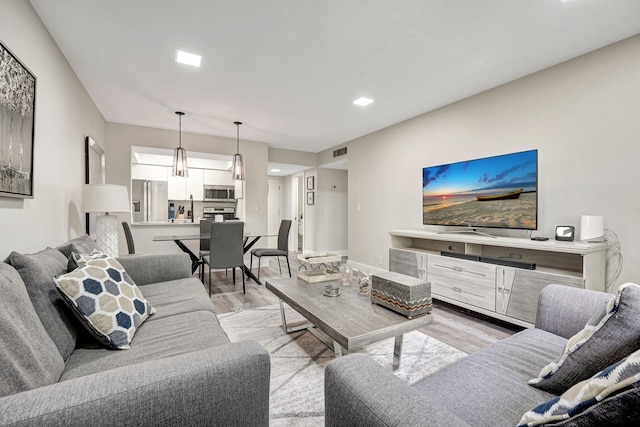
(64, 116)
(581, 115)
(331, 211)
(121, 137)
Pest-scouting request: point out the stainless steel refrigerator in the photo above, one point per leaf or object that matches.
(150, 200)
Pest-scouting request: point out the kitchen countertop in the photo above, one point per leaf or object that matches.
(165, 223)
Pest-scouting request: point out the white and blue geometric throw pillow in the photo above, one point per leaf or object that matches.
(610, 381)
(105, 299)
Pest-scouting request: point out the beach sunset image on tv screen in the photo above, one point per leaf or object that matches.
(492, 192)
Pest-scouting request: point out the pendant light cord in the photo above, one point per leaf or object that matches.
(180, 114)
(180, 130)
(237, 136)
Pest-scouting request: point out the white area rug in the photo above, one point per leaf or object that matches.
(298, 360)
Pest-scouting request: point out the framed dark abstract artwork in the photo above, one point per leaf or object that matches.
(17, 126)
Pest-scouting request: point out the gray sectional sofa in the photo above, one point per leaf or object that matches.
(180, 369)
(489, 387)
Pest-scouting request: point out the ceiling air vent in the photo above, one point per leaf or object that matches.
(340, 152)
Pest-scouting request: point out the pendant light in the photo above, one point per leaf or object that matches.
(180, 154)
(237, 170)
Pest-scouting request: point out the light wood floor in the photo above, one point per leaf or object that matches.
(460, 328)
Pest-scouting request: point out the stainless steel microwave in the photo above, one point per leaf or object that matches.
(219, 193)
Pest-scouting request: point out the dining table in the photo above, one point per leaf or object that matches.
(250, 239)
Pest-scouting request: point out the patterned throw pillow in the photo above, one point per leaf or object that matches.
(105, 299)
(607, 383)
(608, 334)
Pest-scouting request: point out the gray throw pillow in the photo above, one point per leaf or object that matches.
(608, 335)
(611, 381)
(28, 357)
(80, 245)
(37, 272)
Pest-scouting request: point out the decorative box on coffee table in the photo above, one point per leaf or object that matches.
(312, 264)
(406, 295)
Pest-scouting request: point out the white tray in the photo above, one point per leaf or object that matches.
(313, 276)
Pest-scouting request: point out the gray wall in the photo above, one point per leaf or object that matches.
(331, 211)
(581, 115)
(64, 116)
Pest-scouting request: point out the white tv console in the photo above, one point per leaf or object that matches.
(503, 292)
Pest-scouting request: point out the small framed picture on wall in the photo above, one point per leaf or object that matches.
(311, 183)
(310, 198)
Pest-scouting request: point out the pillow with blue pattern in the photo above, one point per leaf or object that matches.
(615, 379)
(607, 335)
(105, 299)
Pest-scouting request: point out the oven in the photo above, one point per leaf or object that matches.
(219, 193)
(209, 213)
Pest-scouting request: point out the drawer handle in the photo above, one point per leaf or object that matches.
(457, 290)
(458, 269)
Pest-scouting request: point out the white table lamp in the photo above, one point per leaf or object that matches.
(105, 198)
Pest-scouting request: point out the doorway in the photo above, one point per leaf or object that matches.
(274, 201)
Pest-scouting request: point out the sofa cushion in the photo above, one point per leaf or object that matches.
(105, 299)
(613, 332)
(37, 272)
(28, 357)
(489, 386)
(156, 339)
(177, 297)
(617, 378)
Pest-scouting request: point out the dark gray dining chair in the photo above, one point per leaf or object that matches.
(129, 236)
(226, 249)
(282, 250)
(205, 230)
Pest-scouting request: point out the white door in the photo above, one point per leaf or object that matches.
(300, 207)
(274, 198)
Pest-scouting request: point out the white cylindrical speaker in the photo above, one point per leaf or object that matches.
(591, 228)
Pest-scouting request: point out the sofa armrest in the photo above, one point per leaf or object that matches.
(145, 269)
(225, 385)
(360, 392)
(564, 311)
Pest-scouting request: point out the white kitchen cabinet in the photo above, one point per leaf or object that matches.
(195, 184)
(217, 177)
(181, 188)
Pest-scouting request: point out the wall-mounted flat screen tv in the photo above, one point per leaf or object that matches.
(492, 192)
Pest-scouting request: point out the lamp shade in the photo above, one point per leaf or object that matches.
(180, 167)
(105, 198)
(237, 170)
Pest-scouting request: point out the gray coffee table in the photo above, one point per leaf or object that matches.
(350, 320)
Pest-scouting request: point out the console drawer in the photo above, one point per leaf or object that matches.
(460, 269)
(463, 291)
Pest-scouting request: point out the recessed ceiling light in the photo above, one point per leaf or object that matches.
(188, 58)
(362, 101)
